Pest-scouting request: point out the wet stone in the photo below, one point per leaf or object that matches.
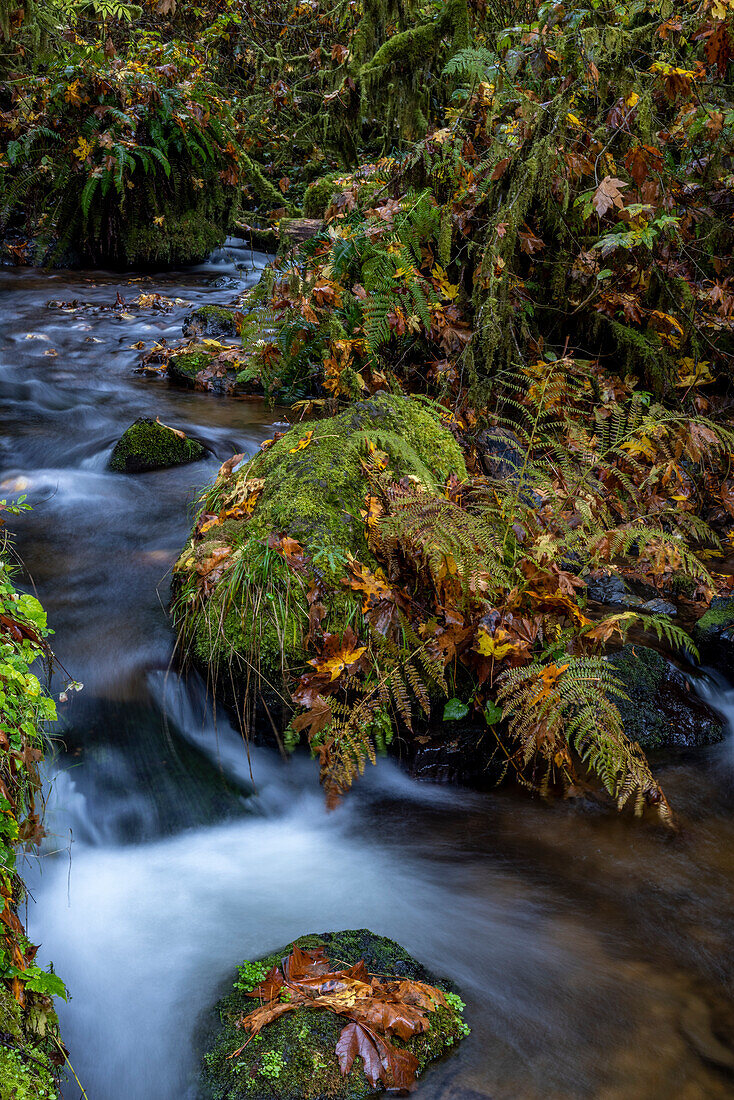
(294, 1057)
(149, 445)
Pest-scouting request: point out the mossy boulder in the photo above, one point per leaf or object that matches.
(714, 633)
(150, 445)
(313, 489)
(25, 1071)
(663, 711)
(318, 194)
(211, 321)
(294, 1058)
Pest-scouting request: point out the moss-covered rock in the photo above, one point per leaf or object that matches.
(313, 489)
(149, 445)
(294, 1058)
(662, 711)
(211, 321)
(318, 195)
(186, 366)
(714, 633)
(25, 1071)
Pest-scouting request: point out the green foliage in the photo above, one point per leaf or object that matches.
(26, 710)
(553, 706)
(249, 974)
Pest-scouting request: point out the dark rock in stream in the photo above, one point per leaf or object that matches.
(149, 445)
(663, 710)
(611, 589)
(714, 634)
(294, 1057)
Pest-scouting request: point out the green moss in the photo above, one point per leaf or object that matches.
(147, 445)
(716, 620)
(25, 1072)
(185, 367)
(315, 494)
(318, 195)
(661, 711)
(294, 1058)
(185, 238)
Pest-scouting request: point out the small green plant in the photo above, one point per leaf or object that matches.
(455, 1002)
(271, 1065)
(250, 974)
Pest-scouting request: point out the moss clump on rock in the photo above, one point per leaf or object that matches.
(294, 1058)
(313, 489)
(211, 321)
(183, 238)
(186, 366)
(662, 711)
(149, 445)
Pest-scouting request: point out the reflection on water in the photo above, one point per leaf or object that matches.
(594, 955)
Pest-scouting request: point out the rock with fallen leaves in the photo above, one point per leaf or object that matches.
(308, 490)
(151, 445)
(340, 1015)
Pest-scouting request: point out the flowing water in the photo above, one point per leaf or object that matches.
(594, 954)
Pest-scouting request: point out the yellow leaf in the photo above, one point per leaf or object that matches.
(336, 665)
(497, 645)
(302, 443)
(83, 148)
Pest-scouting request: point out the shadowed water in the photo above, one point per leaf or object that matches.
(594, 954)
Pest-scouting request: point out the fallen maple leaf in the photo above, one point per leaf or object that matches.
(608, 194)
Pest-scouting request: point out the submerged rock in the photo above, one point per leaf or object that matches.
(663, 711)
(149, 445)
(294, 1057)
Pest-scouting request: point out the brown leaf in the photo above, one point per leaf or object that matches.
(608, 194)
(270, 987)
(355, 1042)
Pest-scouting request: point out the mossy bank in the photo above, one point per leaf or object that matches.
(294, 1058)
(26, 1073)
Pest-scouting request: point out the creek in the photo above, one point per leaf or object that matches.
(594, 954)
